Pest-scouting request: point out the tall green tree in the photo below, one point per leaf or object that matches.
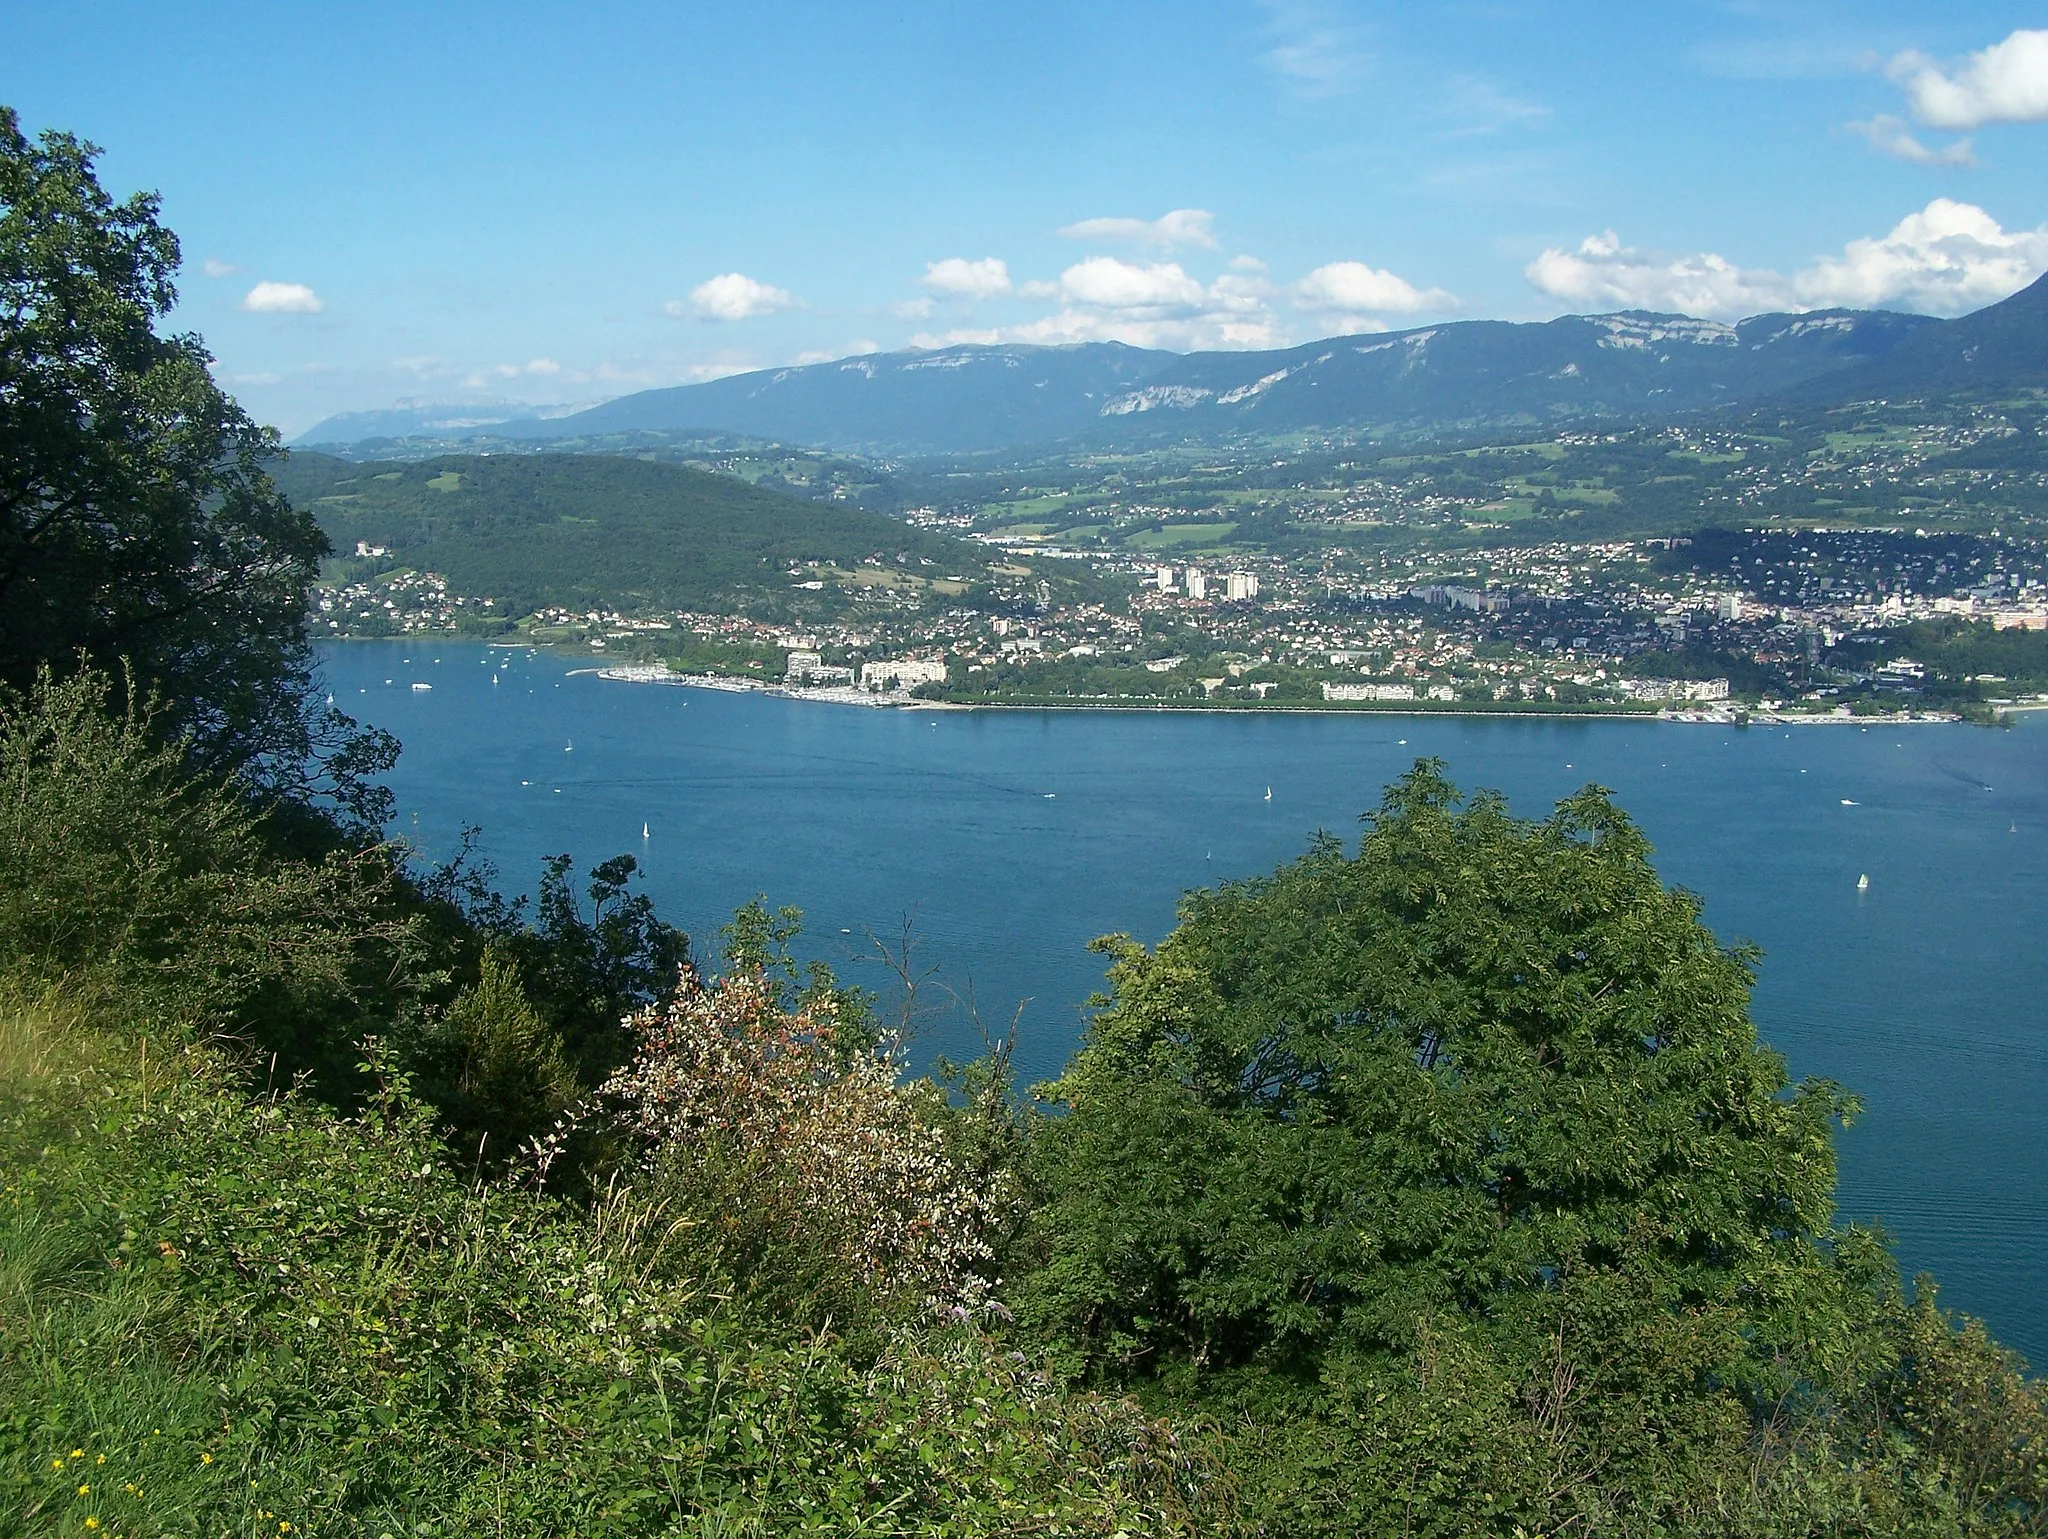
(1451, 1077)
(137, 523)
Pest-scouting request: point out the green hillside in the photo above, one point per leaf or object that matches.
(582, 530)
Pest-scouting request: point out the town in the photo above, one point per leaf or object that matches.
(1815, 621)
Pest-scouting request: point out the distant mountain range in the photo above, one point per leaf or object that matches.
(1459, 374)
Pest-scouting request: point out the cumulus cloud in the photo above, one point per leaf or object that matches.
(1946, 259)
(214, 267)
(1890, 136)
(1355, 291)
(958, 278)
(733, 297)
(1116, 285)
(1155, 304)
(269, 298)
(1180, 227)
(1603, 274)
(2005, 83)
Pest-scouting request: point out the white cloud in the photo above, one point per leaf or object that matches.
(1180, 227)
(1890, 136)
(1948, 258)
(2005, 83)
(912, 309)
(1354, 289)
(476, 379)
(733, 297)
(962, 336)
(269, 298)
(1247, 264)
(214, 267)
(1118, 285)
(1603, 274)
(958, 278)
(1159, 304)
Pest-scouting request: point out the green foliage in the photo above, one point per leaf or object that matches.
(1450, 1180)
(599, 531)
(120, 866)
(251, 1316)
(1477, 1058)
(587, 975)
(1442, 1188)
(137, 523)
(1961, 650)
(503, 1075)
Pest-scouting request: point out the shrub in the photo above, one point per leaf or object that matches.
(256, 1316)
(812, 1175)
(120, 863)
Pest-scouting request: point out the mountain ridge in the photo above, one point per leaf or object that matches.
(977, 397)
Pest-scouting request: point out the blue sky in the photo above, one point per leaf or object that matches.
(560, 204)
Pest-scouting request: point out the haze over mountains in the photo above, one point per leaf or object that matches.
(1458, 374)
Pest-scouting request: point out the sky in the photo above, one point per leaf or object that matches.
(555, 204)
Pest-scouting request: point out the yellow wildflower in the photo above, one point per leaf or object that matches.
(78, 1453)
(56, 1464)
(85, 1490)
(92, 1522)
(102, 1459)
(206, 1458)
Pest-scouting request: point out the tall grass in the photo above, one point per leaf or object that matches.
(225, 1313)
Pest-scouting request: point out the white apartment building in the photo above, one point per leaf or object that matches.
(902, 673)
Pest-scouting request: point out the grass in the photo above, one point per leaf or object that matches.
(225, 1313)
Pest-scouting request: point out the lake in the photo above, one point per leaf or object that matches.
(1010, 838)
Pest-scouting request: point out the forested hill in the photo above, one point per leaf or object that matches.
(583, 530)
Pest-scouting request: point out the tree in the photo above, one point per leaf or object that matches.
(137, 522)
(1457, 1077)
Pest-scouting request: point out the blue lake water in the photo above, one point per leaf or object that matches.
(1012, 838)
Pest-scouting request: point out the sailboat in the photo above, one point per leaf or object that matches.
(1863, 883)
(1269, 793)
(643, 831)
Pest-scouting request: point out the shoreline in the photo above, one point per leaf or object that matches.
(646, 673)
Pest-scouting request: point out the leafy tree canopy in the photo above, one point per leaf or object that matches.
(136, 520)
(1446, 1078)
